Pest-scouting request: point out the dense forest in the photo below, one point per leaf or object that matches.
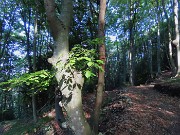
(56, 56)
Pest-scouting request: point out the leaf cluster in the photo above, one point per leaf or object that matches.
(37, 81)
(85, 60)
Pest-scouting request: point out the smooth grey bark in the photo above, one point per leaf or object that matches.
(70, 81)
(176, 41)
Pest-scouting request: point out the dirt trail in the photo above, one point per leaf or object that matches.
(149, 113)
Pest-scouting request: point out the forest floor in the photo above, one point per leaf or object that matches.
(147, 112)
(136, 110)
(142, 110)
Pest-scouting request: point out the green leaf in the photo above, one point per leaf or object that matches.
(90, 64)
(43, 76)
(99, 61)
(88, 74)
(84, 58)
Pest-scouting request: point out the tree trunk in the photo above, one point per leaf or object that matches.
(34, 69)
(58, 107)
(72, 101)
(27, 31)
(150, 58)
(70, 82)
(176, 41)
(158, 40)
(172, 64)
(27, 21)
(124, 63)
(101, 80)
(34, 107)
(131, 52)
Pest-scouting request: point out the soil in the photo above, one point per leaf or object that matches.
(143, 110)
(139, 110)
(146, 112)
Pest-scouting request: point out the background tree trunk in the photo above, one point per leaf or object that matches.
(131, 38)
(34, 68)
(172, 64)
(158, 40)
(176, 41)
(101, 80)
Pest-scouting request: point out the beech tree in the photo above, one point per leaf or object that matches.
(70, 81)
(141, 47)
(176, 40)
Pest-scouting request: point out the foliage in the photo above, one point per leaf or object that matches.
(7, 114)
(36, 81)
(20, 127)
(84, 60)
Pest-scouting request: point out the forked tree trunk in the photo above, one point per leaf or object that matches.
(70, 82)
(101, 80)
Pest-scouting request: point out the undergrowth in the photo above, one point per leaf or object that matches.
(22, 127)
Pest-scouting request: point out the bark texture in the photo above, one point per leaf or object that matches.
(101, 80)
(176, 41)
(34, 68)
(70, 81)
(158, 40)
(131, 38)
(172, 64)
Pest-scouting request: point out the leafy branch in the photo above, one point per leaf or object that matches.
(38, 81)
(84, 60)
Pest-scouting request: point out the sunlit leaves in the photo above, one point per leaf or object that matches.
(85, 60)
(38, 81)
(89, 74)
(90, 64)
